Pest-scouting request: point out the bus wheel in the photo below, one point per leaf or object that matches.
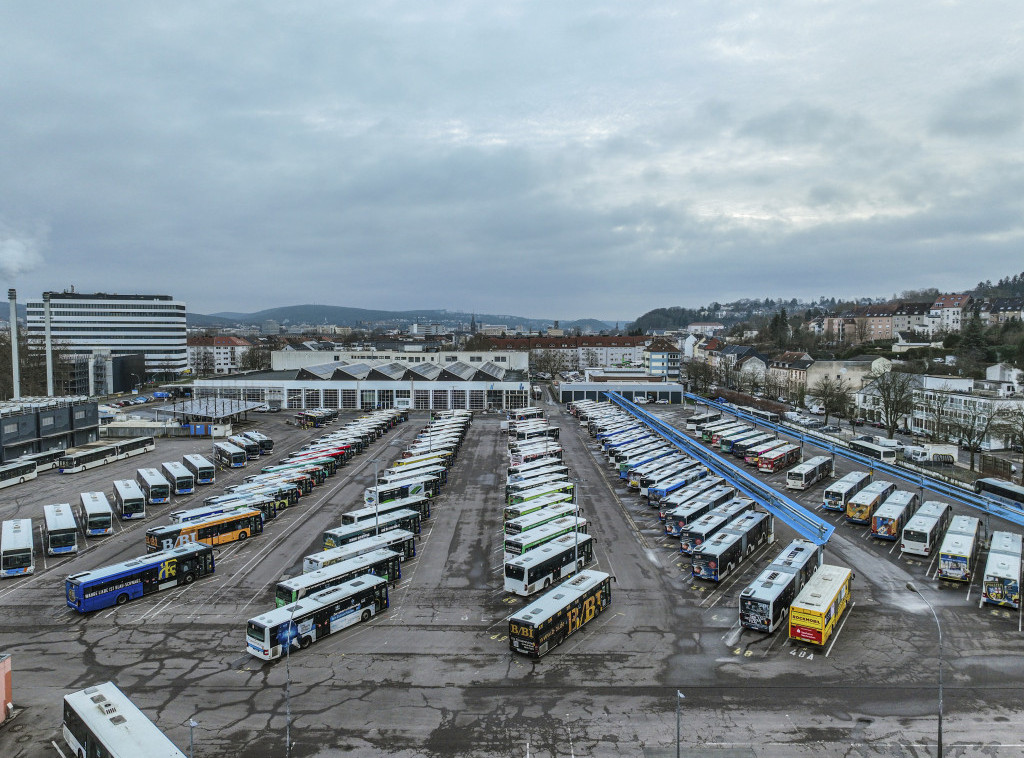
(189, 578)
(305, 642)
(366, 615)
(242, 536)
(21, 481)
(122, 598)
(547, 583)
(579, 565)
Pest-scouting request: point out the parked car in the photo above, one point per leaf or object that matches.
(662, 402)
(829, 429)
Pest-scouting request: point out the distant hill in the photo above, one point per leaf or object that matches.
(359, 317)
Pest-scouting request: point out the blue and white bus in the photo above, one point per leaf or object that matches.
(228, 455)
(129, 499)
(118, 583)
(203, 471)
(182, 481)
(60, 530)
(156, 489)
(102, 721)
(17, 553)
(96, 514)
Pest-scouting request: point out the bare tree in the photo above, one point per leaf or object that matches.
(835, 395)
(699, 374)
(971, 427)
(1010, 423)
(938, 413)
(205, 363)
(894, 391)
(590, 357)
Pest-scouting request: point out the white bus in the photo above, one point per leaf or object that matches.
(926, 528)
(251, 448)
(229, 455)
(182, 481)
(838, 494)
(959, 552)
(1001, 585)
(539, 569)
(154, 486)
(524, 542)
(204, 471)
(129, 499)
(809, 473)
(17, 553)
(96, 514)
(17, 472)
(893, 514)
(266, 443)
(60, 530)
(102, 721)
(302, 623)
(397, 540)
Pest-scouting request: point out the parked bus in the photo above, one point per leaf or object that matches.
(820, 604)
(101, 721)
(719, 494)
(959, 550)
(532, 506)
(17, 548)
(658, 479)
(862, 506)
(278, 490)
(134, 446)
(266, 444)
(86, 457)
(540, 517)
(660, 490)
(252, 449)
(549, 564)
(555, 469)
(1001, 584)
(524, 542)
(1006, 493)
(382, 562)
(765, 602)
(718, 557)
(686, 505)
(156, 489)
(778, 458)
(217, 530)
(740, 448)
(718, 435)
(700, 531)
(418, 503)
(203, 471)
(342, 535)
(182, 481)
(60, 529)
(708, 431)
(924, 531)
(809, 473)
(547, 622)
(96, 514)
(893, 514)
(522, 414)
(635, 474)
(397, 540)
(17, 472)
(129, 499)
(524, 468)
(753, 454)
(770, 416)
(553, 452)
(838, 494)
(45, 461)
(229, 455)
(728, 442)
(268, 507)
(129, 580)
(697, 421)
(297, 626)
(877, 452)
(560, 488)
(438, 470)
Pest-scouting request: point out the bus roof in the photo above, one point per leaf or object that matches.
(59, 516)
(314, 601)
(548, 549)
(148, 559)
(541, 609)
(822, 588)
(354, 563)
(16, 534)
(124, 729)
(848, 482)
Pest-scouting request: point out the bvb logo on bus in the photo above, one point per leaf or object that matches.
(168, 568)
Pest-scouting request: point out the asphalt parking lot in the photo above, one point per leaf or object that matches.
(433, 676)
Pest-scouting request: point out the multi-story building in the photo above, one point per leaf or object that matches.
(1001, 310)
(80, 323)
(661, 358)
(951, 311)
(913, 317)
(580, 352)
(216, 355)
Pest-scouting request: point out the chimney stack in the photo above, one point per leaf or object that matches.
(12, 296)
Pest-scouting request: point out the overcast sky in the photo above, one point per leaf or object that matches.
(546, 159)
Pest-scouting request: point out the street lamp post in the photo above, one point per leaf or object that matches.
(938, 626)
(679, 698)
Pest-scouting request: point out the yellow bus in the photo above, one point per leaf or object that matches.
(816, 610)
(216, 530)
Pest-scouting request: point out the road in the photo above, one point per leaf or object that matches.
(433, 676)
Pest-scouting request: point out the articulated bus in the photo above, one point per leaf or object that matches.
(524, 469)
(837, 495)
(17, 472)
(234, 526)
(102, 721)
(528, 484)
(300, 624)
(397, 540)
(427, 486)
(268, 506)
(727, 443)
(740, 448)
(1001, 583)
(925, 529)
(1006, 493)
(871, 450)
(266, 443)
(862, 506)
(960, 548)
(342, 535)
(685, 506)
(547, 622)
(228, 455)
(765, 602)
(540, 517)
(770, 416)
(60, 530)
(549, 564)
(753, 454)
(96, 514)
(17, 548)
(893, 514)
(559, 469)
(182, 481)
(203, 471)
(809, 473)
(440, 458)
(45, 461)
(669, 457)
(817, 609)
(658, 491)
(86, 457)
(252, 449)
(318, 468)
(418, 503)
(135, 578)
(564, 488)
(697, 421)
(700, 531)
(156, 489)
(718, 557)
(778, 458)
(278, 490)
(522, 414)
(134, 446)
(387, 564)
(532, 506)
(524, 542)
(553, 452)
(428, 469)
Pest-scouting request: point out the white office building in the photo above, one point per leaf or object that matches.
(80, 323)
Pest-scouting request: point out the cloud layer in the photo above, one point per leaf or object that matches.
(553, 160)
